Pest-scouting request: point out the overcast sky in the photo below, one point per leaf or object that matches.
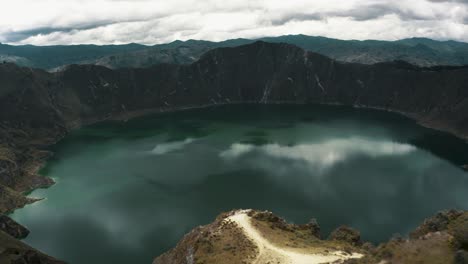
(50, 22)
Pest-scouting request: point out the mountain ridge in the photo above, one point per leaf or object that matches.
(419, 51)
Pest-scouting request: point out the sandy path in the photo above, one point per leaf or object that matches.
(269, 253)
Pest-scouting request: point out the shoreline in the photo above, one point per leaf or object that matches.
(127, 116)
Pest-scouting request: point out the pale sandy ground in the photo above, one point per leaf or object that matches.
(269, 253)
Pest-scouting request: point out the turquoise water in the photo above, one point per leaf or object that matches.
(127, 192)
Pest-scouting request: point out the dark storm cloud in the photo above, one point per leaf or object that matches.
(362, 13)
(449, 1)
(375, 11)
(151, 22)
(457, 2)
(17, 36)
(297, 17)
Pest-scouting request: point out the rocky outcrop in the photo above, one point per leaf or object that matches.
(346, 234)
(437, 223)
(12, 251)
(12, 228)
(248, 236)
(440, 239)
(442, 246)
(218, 242)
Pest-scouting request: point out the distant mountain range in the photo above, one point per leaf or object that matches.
(418, 51)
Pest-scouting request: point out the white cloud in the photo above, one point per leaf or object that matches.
(164, 148)
(237, 150)
(145, 21)
(323, 155)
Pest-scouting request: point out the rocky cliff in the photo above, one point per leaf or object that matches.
(38, 108)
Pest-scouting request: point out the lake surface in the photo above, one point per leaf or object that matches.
(127, 192)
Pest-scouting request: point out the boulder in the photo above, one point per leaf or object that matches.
(461, 257)
(439, 222)
(314, 228)
(346, 234)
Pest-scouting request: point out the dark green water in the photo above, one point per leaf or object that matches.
(127, 192)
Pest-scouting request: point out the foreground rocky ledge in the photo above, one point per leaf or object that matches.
(248, 236)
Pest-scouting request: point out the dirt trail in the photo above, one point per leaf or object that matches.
(269, 253)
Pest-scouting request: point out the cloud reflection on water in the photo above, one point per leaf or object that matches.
(321, 155)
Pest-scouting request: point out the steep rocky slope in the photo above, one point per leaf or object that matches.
(38, 108)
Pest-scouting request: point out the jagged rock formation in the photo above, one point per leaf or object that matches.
(38, 108)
